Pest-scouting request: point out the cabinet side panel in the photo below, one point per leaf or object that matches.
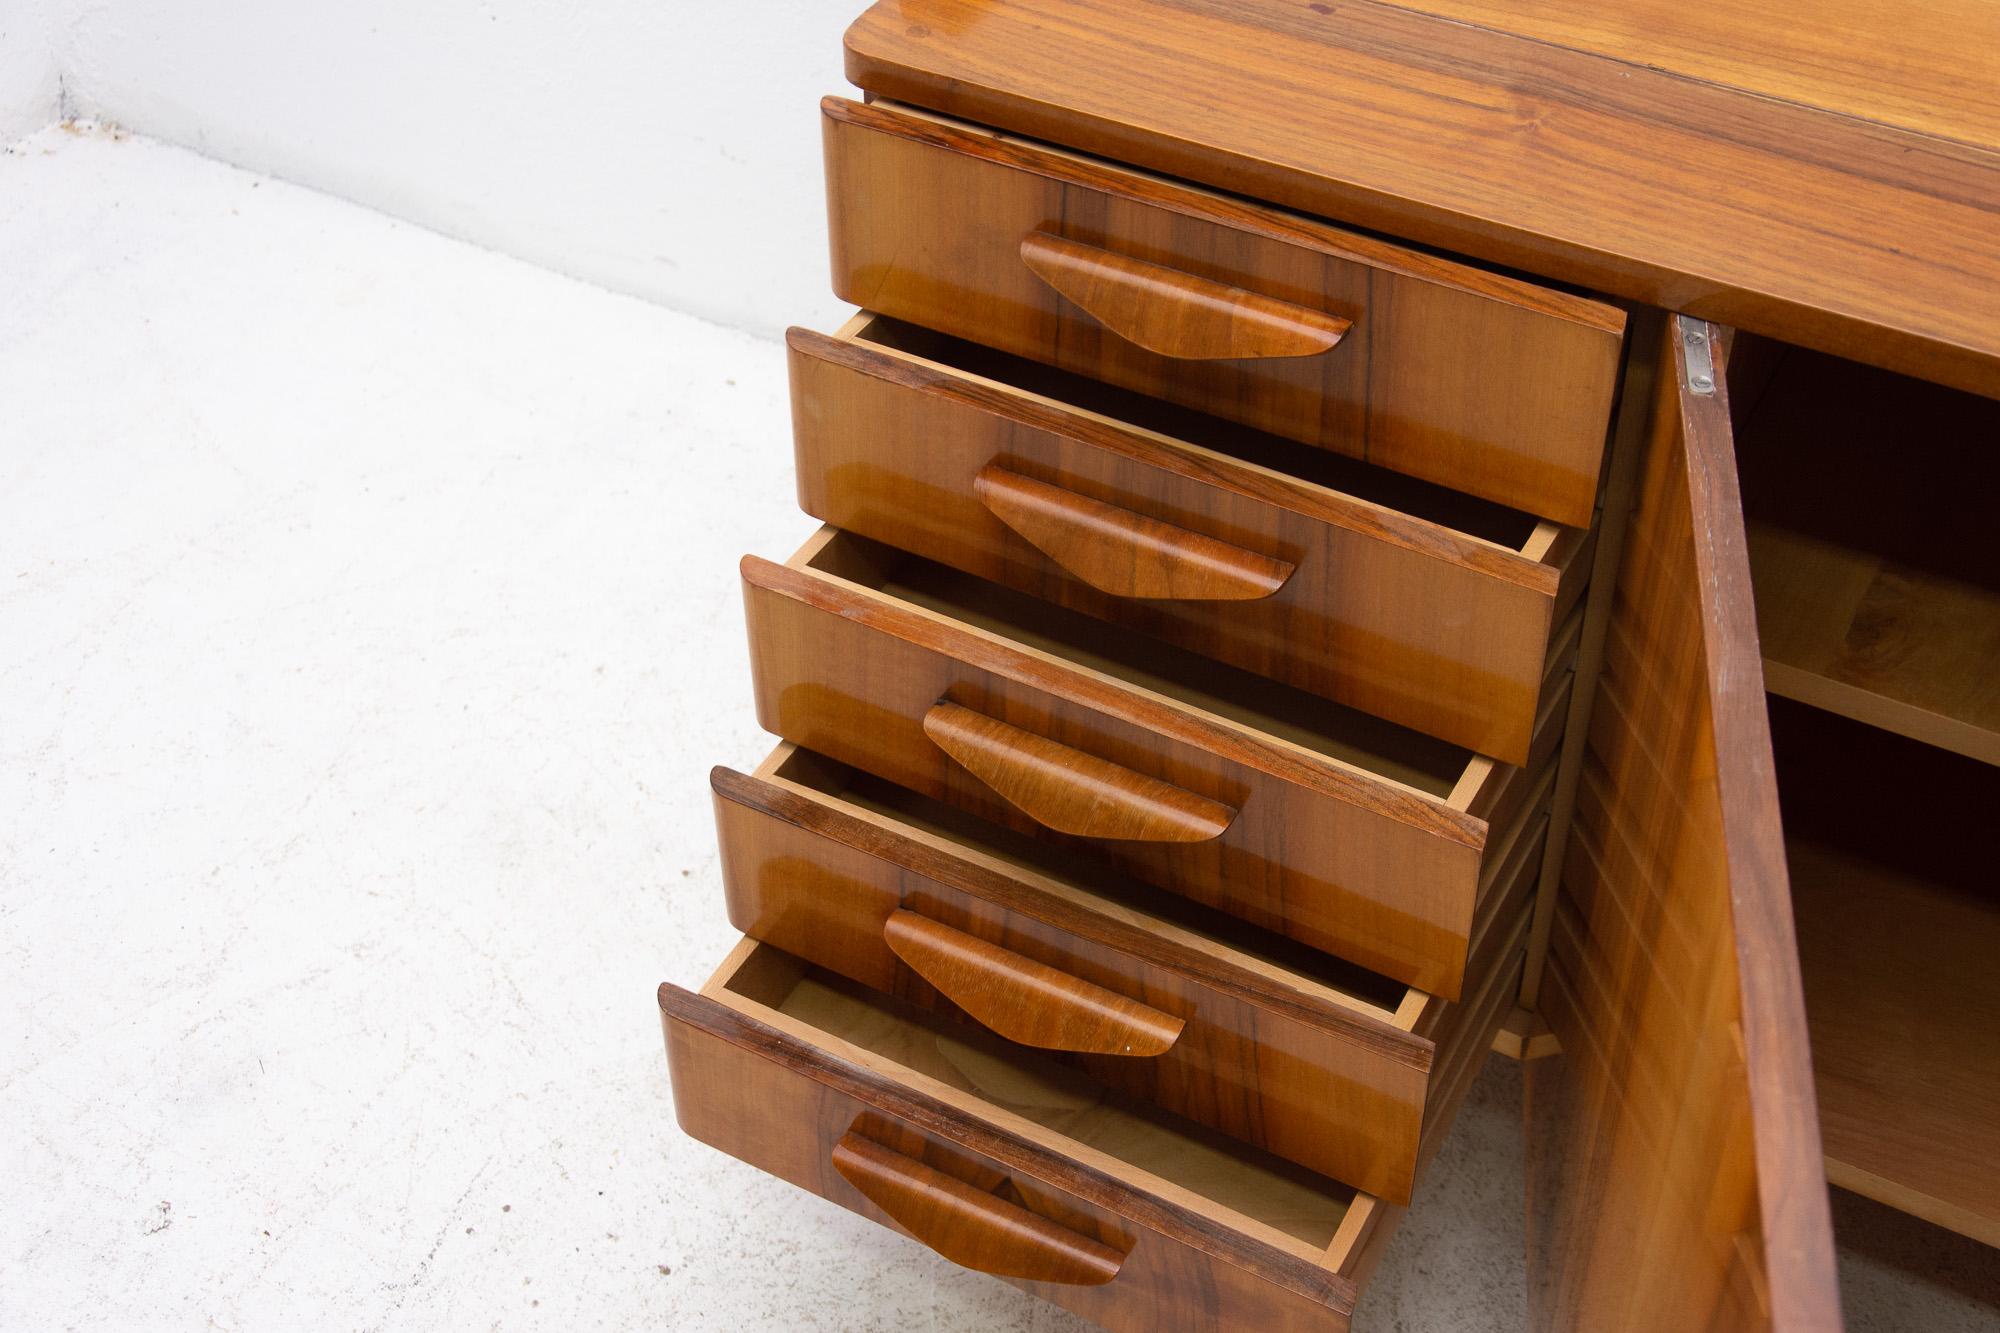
(1674, 1153)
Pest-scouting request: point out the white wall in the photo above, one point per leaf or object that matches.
(659, 147)
(29, 91)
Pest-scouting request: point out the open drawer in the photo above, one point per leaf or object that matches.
(1421, 605)
(1016, 1166)
(1459, 375)
(1278, 1045)
(1314, 821)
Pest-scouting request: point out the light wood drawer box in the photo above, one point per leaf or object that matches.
(1469, 378)
(1312, 820)
(1270, 1042)
(1006, 1164)
(1424, 606)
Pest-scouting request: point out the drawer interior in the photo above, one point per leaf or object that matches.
(1232, 1183)
(1484, 520)
(1412, 759)
(1081, 878)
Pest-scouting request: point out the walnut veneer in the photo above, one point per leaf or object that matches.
(1288, 622)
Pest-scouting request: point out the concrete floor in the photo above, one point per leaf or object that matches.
(368, 624)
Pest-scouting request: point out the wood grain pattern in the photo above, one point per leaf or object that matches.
(1900, 988)
(1235, 1186)
(1118, 551)
(1278, 1044)
(1177, 314)
(1674, 1152)
(1320, 1063)
(1391, 609)
(1932, 66)
(1890, 849)
(1377, 1231)
(1024, 1001)
(1350, 836)
(1629, 436)
(1579, 166)
(1066, 790)
(1878, 585)
(973, 1228)
(1062, 909)
(759, 1091)
(1482, 383)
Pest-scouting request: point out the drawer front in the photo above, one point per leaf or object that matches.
(982, 1197)
(1392, 614)
(1483, 383)
(1332, 1083)
(1374, 872)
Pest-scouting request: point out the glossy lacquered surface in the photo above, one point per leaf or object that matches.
(1482, 382)
(1002, 1162)
(1324, 1064)
(785, 1097)
(1683, 1109)
(1831, 179)
(1342, 832)
(1421, 606)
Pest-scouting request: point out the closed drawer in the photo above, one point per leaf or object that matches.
(1480, 382)
(1274, 1044)
(1312, 820)
(1423, 606)
(1009, 1165)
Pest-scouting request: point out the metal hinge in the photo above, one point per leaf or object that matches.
(1700, 356)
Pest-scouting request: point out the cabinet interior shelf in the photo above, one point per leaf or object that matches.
(1872, 501)
(1899, 944)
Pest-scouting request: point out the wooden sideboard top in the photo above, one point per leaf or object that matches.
(1830, 179)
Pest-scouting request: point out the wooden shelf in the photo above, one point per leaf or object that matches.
(1871, 501)
(1898, 923)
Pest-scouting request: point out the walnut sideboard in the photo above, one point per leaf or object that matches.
(1357, 536)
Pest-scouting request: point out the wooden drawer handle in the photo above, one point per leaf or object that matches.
(1177, 314)
(1024, 1000)
(970, 1227)
(1069, 791)
(1124, 553)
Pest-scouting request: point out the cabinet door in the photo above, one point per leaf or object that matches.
(1675, 1177)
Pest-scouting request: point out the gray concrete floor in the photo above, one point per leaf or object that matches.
(1899, 1272)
